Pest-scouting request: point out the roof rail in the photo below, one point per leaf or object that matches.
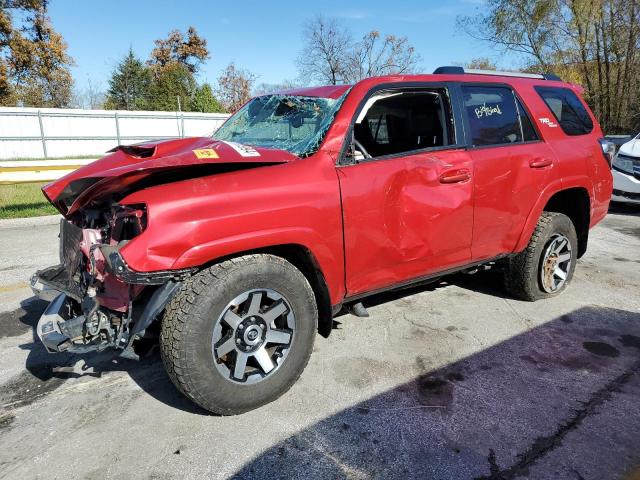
(462, 70)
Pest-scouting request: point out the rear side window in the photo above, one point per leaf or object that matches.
(568, 110)
(492, 114)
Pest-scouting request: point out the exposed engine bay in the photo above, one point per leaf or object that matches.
(97, 302)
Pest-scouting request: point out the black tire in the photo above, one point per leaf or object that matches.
(523, 270)
(188, 323)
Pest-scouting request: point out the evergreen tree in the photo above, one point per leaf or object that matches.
(171, 88)
(204, 101)
(129, 85)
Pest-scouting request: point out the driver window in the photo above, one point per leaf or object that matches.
(393, 122)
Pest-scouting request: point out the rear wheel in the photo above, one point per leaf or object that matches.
(239, 334)
(546, 266)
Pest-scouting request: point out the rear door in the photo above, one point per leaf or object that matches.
(406, 189)
(511, 166)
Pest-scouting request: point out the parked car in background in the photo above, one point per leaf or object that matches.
(235, 250)
(626, 173)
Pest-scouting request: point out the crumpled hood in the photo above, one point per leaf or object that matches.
(130, 164)
(631, 148)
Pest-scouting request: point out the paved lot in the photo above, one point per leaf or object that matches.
(451, 381)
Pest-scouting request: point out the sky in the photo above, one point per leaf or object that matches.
(263, 37)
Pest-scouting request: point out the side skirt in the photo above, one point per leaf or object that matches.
(425, 279)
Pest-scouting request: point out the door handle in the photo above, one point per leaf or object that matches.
(455, 176)
(540, 163)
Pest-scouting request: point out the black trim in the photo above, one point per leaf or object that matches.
(629, 195)
(448, 70)
(116, 265)
(425, 278)
(158, 301)
(458, 135)
(57, 278)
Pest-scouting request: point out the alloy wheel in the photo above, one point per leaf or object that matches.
(253, 335)
(556, 263)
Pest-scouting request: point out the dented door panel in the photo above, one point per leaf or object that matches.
(402, 221)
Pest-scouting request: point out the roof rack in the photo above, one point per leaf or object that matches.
(462, 70)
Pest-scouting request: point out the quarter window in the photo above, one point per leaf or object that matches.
(492, 115)
(568, 110)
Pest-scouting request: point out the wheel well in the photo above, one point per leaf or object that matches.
(301, 258)
(575, 204)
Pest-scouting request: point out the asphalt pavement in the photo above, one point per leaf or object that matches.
(448, 381)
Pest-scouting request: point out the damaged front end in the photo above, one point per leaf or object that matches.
(97, 301)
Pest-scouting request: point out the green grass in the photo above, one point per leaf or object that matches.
(24, 200)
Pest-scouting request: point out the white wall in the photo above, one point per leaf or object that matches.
(74, 132)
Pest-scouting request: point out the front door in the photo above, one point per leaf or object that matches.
(406, 191)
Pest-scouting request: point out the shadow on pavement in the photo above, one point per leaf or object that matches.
(563, 394)
(558, 401)
(46, 372)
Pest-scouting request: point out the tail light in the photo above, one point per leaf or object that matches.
(608, 150)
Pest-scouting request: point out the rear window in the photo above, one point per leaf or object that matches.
(568, 110)
(492, 114)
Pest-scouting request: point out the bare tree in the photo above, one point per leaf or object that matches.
(481, 63)
(331, 55)
(376, 55)
(234, 87)
(91, 97)
(266, 88)
(325, 56)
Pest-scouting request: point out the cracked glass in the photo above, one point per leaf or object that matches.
(297, 124)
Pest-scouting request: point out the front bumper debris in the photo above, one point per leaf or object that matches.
(53, 330)
(42, 290)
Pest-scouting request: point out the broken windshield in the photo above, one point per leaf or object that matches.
(288, 122)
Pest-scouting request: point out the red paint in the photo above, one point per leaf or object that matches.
(386, 221)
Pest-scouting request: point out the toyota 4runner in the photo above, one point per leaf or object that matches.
(236, 250)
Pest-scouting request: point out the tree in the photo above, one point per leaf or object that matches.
(34, 66)
(204, 101)
(592, 42)
(330, 55)
(234, 87)
(481, 63)
(325, 55)
(266, 88)
(375, 56)
(129, 84)
(171, 88)
(187, 49)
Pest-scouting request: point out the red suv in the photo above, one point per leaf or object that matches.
(235, 250)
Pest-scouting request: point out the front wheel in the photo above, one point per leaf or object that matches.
(546, 266)
(239, 334)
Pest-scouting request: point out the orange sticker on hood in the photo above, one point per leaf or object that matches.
(206, 153)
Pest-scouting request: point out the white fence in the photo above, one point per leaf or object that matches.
(55, 133)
